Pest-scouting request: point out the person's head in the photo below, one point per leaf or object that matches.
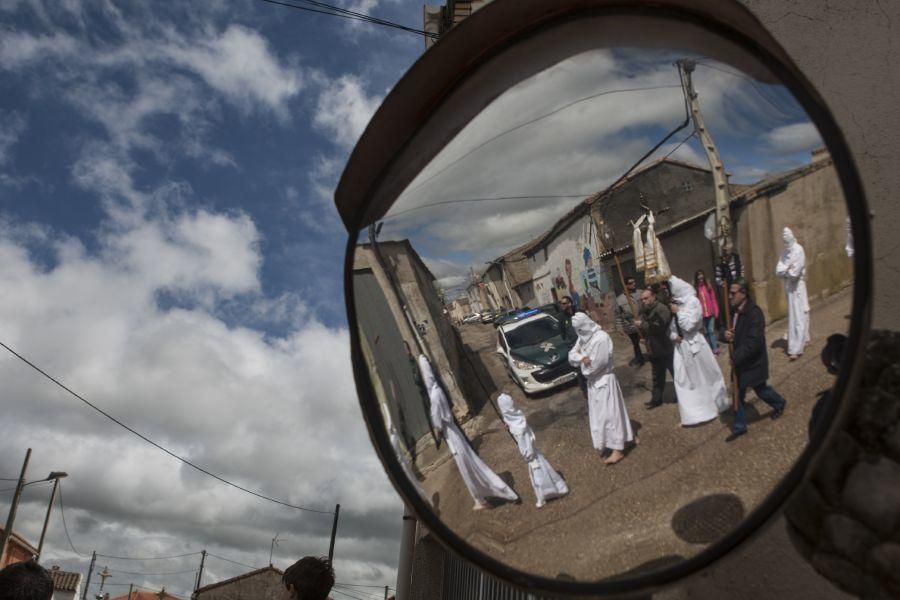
(738, 291)
(630, 284)
(310, 578)
(566, 303)
(648, 298)
(584, 326)
(788, 236)
(699, 278)
(25, 581)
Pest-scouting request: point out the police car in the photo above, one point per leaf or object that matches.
(535, 350)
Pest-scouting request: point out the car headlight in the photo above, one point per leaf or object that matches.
(526, 366)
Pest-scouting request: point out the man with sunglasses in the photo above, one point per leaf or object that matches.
(751, 362)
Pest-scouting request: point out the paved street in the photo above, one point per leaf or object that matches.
(678, 491)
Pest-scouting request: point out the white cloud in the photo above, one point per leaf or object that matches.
(12, 124)
(798, 137)
(344, 110)
(18, 49)
(228, 397)
(239, 64)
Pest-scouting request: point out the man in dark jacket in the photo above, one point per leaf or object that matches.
(751, 362)
(655, 327)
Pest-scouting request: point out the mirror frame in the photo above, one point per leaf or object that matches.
(403, 127)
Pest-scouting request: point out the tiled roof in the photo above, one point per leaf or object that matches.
(64, 581)
(275, 570)
(21, 541)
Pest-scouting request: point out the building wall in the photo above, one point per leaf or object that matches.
(262, 586)
(813, 207)
(571, 269)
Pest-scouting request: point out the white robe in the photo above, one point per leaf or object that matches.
(792, 268)
(699, 384)
(480, 480)
(609, 422)
(545, 481)
(404, 463)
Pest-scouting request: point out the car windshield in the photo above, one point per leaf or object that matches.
(533, 332)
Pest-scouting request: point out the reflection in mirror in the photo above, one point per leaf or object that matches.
(593, 321)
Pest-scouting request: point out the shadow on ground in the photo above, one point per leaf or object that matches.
(708, 519)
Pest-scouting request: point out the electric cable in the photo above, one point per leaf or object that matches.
(62, 513)
(531, 122)
(344, 593)
(147, 557)
(750, 81)
(154, 574)
(232, 561)
(155, 444)
(336, 11)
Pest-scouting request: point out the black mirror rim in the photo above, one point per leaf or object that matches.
(832, 413)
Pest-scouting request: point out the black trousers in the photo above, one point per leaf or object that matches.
(636, 342)
(661, 364)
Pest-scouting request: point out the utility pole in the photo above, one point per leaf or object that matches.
(87, 582)
(385, 592)
(104, 574)
(337, 510)
(130, 588)
(723, 205)
(200, 572)
(272, 548)
(7, 532)
(55, 476)
(407, 549)
(720, 182)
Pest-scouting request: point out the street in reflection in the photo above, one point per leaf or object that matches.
(587, 374)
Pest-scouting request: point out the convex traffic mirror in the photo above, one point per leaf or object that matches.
(590, 288)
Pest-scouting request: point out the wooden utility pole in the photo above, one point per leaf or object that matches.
(723, 205)
(337, 510)
(200, 572)
(87, 582)
(11, 518)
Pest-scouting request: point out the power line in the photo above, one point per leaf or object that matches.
(160, 447)
(343, 593)
(531, 122)
(66, 527)
(231, 561)
(362, 585)
(336, 11)
(148, 557)
(154, 574)
(750, 81)
(365, 593)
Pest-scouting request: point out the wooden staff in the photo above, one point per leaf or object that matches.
(728, 326)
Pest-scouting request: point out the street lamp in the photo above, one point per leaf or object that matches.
(55, 476)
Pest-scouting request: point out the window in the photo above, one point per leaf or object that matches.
(686, 185)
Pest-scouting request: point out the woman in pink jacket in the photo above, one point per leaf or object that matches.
(707, 297)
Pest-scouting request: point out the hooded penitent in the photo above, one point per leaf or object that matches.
(699, 384)
(610, 426)
(545, 481)
(479, 479)
(792, 268)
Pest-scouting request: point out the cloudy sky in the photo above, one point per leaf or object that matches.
(572, 130)
(169, 249)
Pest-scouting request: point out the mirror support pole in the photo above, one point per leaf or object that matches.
(407, 545)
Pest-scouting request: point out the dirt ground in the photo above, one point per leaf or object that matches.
(674, 494)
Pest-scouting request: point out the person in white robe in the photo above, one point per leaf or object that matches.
(699, 384)
(792, 268)
(608, 418)
(402, 459)
(480, 480)
(546, 482)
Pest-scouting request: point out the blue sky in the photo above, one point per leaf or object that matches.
(170, 250)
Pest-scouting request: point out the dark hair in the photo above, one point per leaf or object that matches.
(569, 298)
(311, 576)
(629, 280)
(743, 285)
(25, 581)
(697, 275)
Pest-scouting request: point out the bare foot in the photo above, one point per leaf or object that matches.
(637, 441)
(479, 506)
(615, 457)
(792, 357)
